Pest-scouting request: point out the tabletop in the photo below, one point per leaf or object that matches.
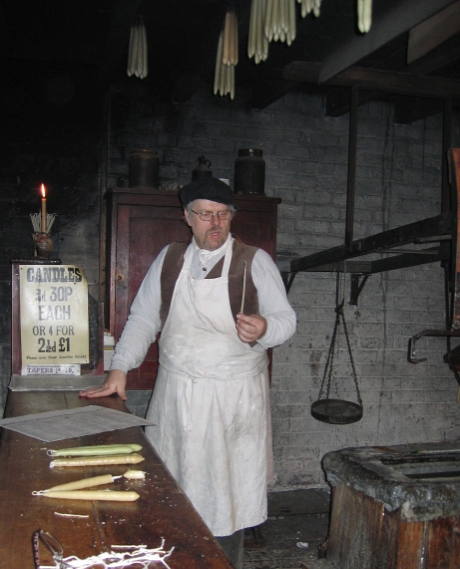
(162, 515)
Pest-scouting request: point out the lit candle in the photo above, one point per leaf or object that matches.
(43, 227)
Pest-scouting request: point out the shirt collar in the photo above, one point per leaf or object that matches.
(205, 255)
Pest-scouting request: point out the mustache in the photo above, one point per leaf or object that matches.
(213, 229)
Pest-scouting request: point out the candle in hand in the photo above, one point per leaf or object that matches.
(43, 226)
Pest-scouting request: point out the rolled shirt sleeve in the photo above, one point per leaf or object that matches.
(143, 323)
(273, 302)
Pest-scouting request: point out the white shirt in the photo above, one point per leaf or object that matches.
(144, 322)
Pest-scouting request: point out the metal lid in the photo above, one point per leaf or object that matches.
(250, 152)
(144, 151)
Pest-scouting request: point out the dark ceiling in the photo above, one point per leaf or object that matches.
(57, 49)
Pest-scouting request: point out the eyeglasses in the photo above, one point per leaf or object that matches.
(208, 215)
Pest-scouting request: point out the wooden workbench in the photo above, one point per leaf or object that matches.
(162, 511)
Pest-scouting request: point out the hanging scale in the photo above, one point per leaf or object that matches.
(326, 409)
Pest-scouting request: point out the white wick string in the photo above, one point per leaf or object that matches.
(37, 221)
(141, 556)
(71, 515)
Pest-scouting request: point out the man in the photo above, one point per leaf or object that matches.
(210, 405)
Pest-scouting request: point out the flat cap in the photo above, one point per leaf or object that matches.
(207, 188)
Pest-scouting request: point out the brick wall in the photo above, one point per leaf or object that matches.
(398, 181)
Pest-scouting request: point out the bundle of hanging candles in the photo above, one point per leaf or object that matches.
(137, 52)
(275, 20)
(227, 56)
(270, 20)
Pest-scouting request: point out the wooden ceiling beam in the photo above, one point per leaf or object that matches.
(411, 109)
(385, 27)
(441, 57)
(407, 109)
(433, 32)
(377, 80)
(338, 100)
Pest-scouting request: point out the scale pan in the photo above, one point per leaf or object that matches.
(336, 411)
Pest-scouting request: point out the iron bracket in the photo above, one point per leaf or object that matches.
(356, 287)
(429, 332)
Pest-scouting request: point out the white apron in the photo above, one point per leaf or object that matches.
(211, 406)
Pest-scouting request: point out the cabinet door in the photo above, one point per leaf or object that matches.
(140, 232)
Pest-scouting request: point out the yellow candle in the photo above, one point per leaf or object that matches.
(106, 495)
(133, 458)
(44, 224)
(96, 450)
(84, 483)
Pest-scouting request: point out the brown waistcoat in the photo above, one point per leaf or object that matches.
(172, 266)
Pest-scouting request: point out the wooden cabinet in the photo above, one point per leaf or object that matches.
(141, 221)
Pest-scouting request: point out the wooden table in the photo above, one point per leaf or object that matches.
(162, 511)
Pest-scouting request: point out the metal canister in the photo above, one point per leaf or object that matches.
(249, 172)
(201, 170)
(144, 168)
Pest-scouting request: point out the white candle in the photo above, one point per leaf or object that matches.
(133, 458)
(106, 495)
(95, 450)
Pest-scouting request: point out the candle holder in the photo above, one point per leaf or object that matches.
(43, 245)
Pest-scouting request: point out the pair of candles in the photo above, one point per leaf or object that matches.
(74, 490)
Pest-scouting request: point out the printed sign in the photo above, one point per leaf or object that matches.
(65, 369)
(54, 315)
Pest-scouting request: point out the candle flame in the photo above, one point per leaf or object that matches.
(43, 190)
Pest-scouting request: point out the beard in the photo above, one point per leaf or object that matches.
(211, 244)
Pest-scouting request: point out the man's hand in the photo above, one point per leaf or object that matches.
(250, 328)
(114, 383)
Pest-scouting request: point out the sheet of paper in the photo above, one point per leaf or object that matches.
(72, 423)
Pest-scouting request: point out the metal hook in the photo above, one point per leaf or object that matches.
(450, 333)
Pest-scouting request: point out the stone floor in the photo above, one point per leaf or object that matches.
(296, 527)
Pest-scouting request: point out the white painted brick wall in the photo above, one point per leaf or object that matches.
(398, 181)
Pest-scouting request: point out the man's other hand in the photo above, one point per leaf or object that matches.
(114, 383)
